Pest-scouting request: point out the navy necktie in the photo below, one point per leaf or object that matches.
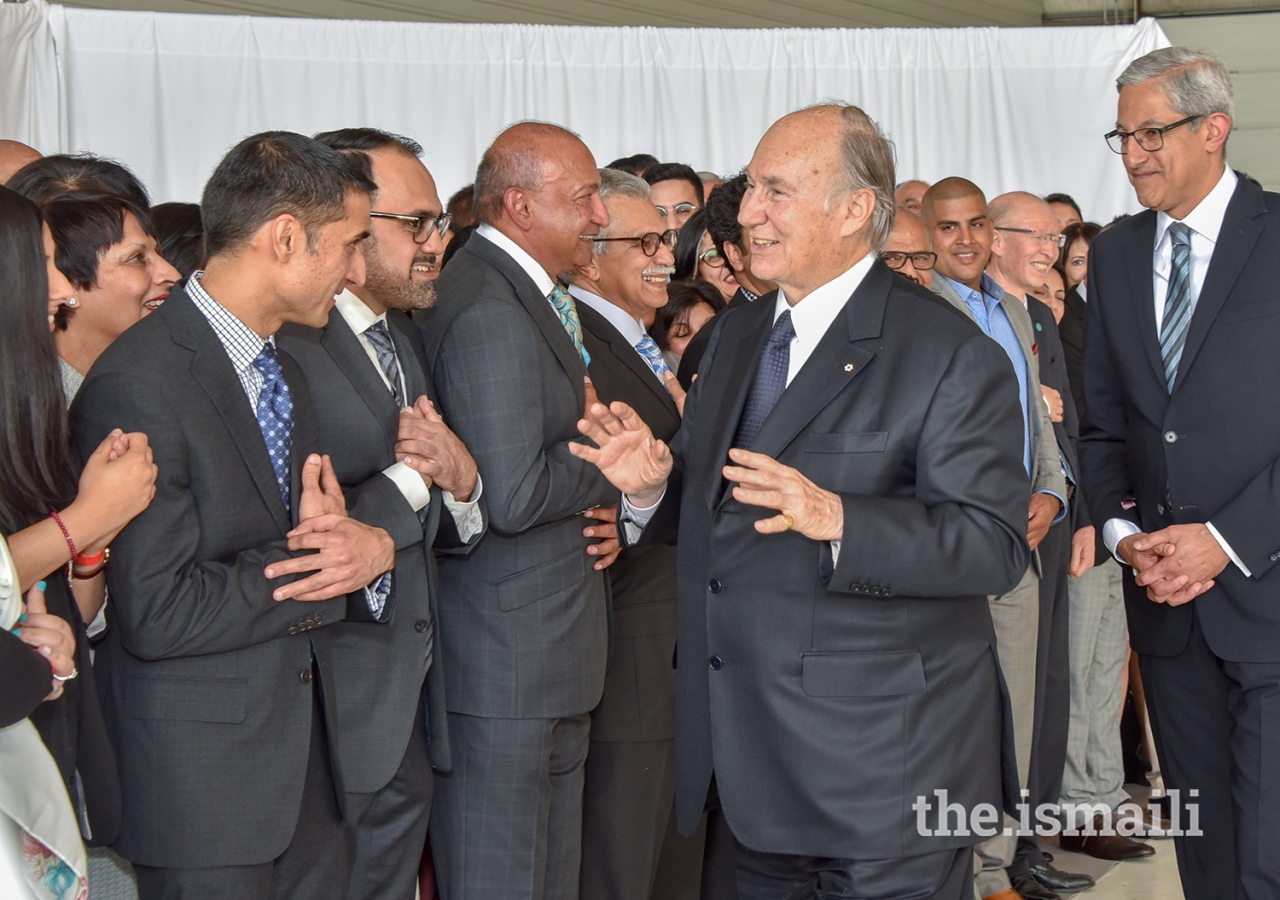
(1177, 304)
(380, 338)
(275, 417)
(770, 381)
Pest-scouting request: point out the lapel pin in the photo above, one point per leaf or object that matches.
(848, 367)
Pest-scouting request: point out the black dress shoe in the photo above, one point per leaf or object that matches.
(1110, 847)
(1057, 880)
(1026, 887)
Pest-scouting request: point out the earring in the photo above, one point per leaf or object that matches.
(72, 302)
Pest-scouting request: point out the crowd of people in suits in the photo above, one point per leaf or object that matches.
(632, 533)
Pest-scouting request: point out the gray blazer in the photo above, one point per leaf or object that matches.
(380, 670)
(523, 619)
(207, 681)
(1046, 467)
(828, 695)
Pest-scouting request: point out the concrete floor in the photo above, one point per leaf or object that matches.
(1154, 878)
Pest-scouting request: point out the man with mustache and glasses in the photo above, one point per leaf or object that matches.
(403, 470)
(630, 785)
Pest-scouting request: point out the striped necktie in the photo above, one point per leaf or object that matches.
(563, 302)
(380, 338)
(1177, 304)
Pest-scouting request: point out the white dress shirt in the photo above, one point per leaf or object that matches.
(545, 283)
(629, 328)
(811, 318)
(465, 515)
(1205, 221)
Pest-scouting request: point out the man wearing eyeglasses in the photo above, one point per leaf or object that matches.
(402, 469)
(1181, 451)
(677, 193)
(961, 231)
(907, 250)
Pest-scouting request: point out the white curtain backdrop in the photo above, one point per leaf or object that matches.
(1023, 108)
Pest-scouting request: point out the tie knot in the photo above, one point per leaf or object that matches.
(377, 332)
(558, 294)
(267, 362)
(1180, 233)
(783, 331)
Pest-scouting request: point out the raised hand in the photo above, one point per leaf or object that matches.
(349, 556)
(429, 447)
(626, 452)
(607, 548)
(802, 506)
(51, 637)
(118, 482)
(321, 492)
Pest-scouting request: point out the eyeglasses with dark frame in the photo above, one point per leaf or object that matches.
(711, 256)
(921, 259)
(423, 226)
(650, 242)
(1058, 240)
(1149, 139)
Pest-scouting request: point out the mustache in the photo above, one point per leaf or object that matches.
(425, 258)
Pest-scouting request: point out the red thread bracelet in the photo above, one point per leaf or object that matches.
(70, 543)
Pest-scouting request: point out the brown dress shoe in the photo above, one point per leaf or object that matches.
(1109, 847)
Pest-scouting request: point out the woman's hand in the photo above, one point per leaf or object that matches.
(51, 637)
(117, 483)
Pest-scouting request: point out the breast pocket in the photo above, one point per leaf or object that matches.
(542, 581)
(848, 442)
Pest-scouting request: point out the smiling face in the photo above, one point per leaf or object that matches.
(678, 198)
(960, 229)
(1185, 169)
(132, 280)
(60, 289)
(327, 267)
(721, 276)
(627, 278)
(910, 236)
(1021, 261)
(567, 212)
(399, 273)
(687, 325)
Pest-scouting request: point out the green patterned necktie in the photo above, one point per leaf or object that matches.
(568, 310)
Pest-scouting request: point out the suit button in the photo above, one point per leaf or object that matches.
(305, 676)
(1170, 437)
(715, 662)
(420, 625)
(714, 586)
(1275, 556)
(319, 620)
(293, 629)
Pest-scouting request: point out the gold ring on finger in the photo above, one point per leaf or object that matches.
(791, 522)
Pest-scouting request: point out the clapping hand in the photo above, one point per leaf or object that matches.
(626, 452)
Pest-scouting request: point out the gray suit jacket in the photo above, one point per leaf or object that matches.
(207, 681)
(380, 669)
(523, 619)
(1046, 467)
(828, 697)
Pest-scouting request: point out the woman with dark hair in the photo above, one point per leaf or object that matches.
(180, 234)
(58, 526)
(107, 249)
(697, 258)
(1074, 255)
(691, 304)
(44, 179)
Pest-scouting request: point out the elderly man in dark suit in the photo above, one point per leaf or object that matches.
(1182, 459)
(524, 618)
(837, 661)
(628, 851)
(373, 404)
(217, 667)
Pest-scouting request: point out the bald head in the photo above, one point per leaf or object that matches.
(13, 156)
(947, 190)
(1016, 206)
(909, 194)
(909, 237)
(520, 158)
(1025, 244)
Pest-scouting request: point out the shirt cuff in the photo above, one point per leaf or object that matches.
(835, 552)
(411, 485)
(377, 593)
(1062, 513)
(1115, 531)
(1226, 548)
(466, 515)
(635, 518)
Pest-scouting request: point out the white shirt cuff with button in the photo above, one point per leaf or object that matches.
(466, 514)
(1116, 530)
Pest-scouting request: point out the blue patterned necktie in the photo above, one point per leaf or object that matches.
(378, 335)
(1177, 304)
(275, 416)
(648, 348)
(770, 381)
(563, 302)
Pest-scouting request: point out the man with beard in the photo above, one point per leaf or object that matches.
(401, 469)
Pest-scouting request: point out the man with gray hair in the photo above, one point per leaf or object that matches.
(847, 488)
(1181, 455)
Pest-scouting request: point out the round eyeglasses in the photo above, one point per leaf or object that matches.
(650, 242)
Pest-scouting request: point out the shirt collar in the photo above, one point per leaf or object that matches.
(628, 327)
(812, 316)
(991, 295)
(241, 342)
(544, 282)
(1206, 219)
(356, 314)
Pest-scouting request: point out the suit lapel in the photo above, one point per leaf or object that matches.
(1142, 289)
(344, 348)
(212, 368)
(306, 435)
(1236, 238)
(627, 355)
(414, 379)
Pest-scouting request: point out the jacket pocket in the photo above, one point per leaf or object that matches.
(878, 673)
(189, 699)
(848, 442)
(541, 581)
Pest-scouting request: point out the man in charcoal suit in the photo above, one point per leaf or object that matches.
(218, 676)
(368, 387)
(848, 487)
(1180, 458)
(524, 618)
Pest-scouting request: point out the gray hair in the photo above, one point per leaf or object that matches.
(867, 159)
(1196, 82)
(616, 183)
(503, 166)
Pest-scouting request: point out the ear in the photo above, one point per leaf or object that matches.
(286, 237)
(733, 253)
(517, 206)
(591, 271)
(858, 208)
(1217, 126)
(997, 241)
